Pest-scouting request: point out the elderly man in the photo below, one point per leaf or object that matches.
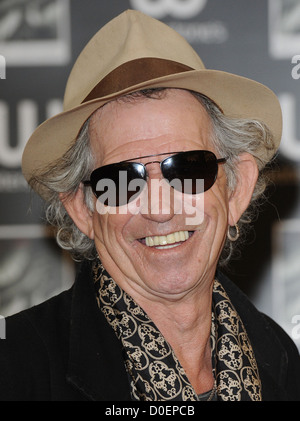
(149, 174)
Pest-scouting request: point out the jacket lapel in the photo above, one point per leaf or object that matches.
(96, 367)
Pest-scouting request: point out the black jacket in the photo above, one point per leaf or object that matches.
(64, 349)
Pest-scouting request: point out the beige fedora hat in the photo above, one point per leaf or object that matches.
(132, 52)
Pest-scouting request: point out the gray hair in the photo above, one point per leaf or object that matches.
(64, 176)
(230, 136)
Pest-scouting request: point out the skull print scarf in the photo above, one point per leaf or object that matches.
(154, 372)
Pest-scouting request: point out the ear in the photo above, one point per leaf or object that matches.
(79, 212)
(239, 199)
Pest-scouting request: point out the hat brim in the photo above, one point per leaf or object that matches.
(237, 96)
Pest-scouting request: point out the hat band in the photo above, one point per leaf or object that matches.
(134, 72)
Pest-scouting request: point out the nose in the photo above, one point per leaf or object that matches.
(159, 205)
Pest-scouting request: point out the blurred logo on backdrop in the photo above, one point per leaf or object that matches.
(32, 268)
(285, 276)
(284, 28)
(185, 15)
(35, 32)
(175, 8)
(284, 45)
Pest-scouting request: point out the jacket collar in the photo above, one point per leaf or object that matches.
(96, 366)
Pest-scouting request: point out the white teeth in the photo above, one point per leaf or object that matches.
(165, 240)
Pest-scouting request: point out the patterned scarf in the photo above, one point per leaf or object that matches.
(155, 374)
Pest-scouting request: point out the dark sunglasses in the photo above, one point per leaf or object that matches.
(182, 170)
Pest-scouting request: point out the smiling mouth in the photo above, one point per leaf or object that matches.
(163, 242)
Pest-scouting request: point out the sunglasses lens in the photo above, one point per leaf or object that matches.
(191, 172)
(118, 184)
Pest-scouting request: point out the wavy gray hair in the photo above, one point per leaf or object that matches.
(230, 136)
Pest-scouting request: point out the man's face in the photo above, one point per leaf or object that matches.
(130, 129)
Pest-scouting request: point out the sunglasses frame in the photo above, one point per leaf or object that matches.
(88, 183)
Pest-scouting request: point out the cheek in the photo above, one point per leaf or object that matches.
(109, 229)
(220, 193)
(217, 209)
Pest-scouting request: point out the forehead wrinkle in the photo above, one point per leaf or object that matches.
(105, 120)
(96, 129)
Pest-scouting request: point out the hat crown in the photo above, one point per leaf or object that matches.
(130, 36)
